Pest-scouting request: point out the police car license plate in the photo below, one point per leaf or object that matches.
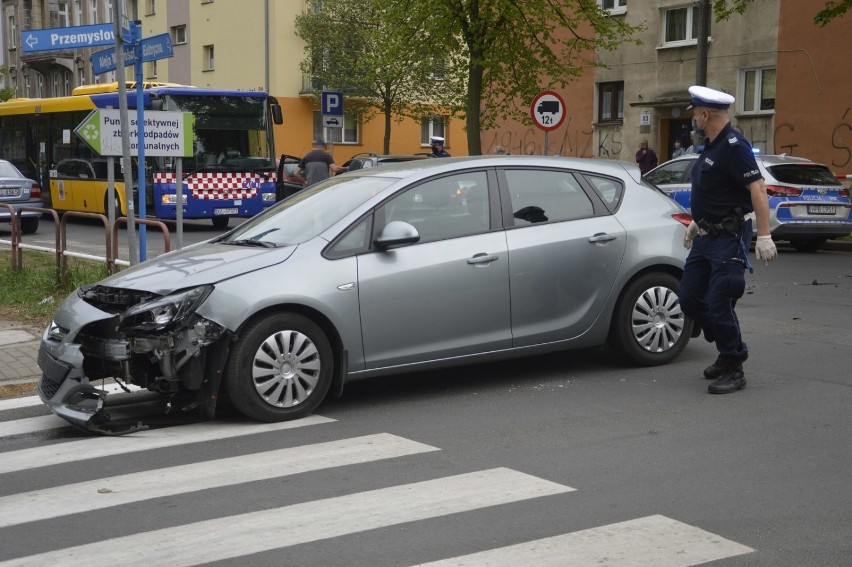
(10, 192)
(230, 211)
(821, 209)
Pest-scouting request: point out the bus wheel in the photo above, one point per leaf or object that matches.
(220, 223)
(117, 206)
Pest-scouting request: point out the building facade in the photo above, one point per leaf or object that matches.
(791, 78)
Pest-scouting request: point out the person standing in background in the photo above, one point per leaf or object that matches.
(317, 165)
(646, 158)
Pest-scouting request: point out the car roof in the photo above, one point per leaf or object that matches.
(404, 169)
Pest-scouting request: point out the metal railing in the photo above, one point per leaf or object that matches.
(61, 236)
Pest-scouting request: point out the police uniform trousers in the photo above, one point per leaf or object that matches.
(713, 280)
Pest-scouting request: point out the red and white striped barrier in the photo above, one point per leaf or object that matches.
(845, 176)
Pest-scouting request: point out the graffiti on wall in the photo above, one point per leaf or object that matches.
(530, 141)
(837, 146)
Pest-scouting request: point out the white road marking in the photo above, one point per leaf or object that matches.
(31, 425)
(654, 540)
(255, 532)
(118, 490)
(96, 447)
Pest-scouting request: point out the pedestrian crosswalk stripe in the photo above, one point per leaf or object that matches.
(653, 540)
(15, 403)
(31, 425)
(118, 490)
(92, 448)
(254, 532)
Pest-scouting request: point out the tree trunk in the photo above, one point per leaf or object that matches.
(387, 111)
(474, 99)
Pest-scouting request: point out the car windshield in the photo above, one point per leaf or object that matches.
(307, 213)
(803, 174)
(9, 170)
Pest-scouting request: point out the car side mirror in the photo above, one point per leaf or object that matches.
(397, 233)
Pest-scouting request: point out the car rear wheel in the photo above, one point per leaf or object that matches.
(648, 326)
(220, 223)
(116, 207)
(808, 244)
(29, 225)
(280, 368)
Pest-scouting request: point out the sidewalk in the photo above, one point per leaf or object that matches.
(19, 372)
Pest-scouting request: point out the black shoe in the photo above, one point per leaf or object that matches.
(731, 381)
(715, 370)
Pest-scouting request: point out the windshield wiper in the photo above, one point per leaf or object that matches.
(252, 242)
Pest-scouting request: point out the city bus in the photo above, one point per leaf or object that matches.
(230, 174)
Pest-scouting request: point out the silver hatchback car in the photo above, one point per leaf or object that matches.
(19, 192)
(383, 271)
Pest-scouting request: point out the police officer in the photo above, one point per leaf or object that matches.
(438, 150)
(728, 191)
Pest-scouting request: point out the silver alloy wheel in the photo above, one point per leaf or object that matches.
(657, 320)
(286, 369)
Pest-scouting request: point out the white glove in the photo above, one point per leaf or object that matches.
(691, 233)
(764, 249)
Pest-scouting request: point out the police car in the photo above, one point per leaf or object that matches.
(807, 203)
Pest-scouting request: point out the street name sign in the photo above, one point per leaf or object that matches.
(61, 39)
(166, 133)
(153, 48)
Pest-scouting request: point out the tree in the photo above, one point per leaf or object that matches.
(8, 92)
(501, 53)
(348, 47)
(832, 9)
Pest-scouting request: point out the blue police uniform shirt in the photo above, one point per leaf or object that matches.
(720, 176)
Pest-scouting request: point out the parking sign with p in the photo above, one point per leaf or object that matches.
(332, 109)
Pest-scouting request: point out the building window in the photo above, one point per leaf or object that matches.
(179, 35)
(66, 83)
(62, 14)
(152, 70)
(108, 19)
(758, 91)
(611, 101)
(614, 6)
(93, 11)
(39, 85)
(150, 7)
(78, 12)
(81, 77)
(348, 134)
(27, 86)
(680, 26)
(13, 32)
(208, 58)
(432, 126)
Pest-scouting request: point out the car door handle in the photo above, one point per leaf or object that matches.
(482, 259)
(602, 237)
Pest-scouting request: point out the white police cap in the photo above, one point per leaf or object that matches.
(709, 98)
(436, 140)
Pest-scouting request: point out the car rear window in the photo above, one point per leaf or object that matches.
(803, 174)
(8, 170)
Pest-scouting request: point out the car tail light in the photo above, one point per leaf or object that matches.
(844, 192)
(35, 191)
(782, 191)
(683, 218)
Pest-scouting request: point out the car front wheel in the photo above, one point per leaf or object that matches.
(648, 326)
(280, 368)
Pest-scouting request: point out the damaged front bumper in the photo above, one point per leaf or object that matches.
(157, 343)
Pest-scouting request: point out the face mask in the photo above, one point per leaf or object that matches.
(697, 132)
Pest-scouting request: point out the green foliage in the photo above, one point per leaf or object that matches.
(349, 47)
(5, 94)
(724, 9)
(500, 53)
(32, 293)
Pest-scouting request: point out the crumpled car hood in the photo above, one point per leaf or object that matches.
(205, 263)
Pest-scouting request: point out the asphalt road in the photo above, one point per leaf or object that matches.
(613, 465)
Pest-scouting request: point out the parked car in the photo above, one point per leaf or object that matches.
(380, 271)
(807, 203)
(288, 180)
(19, 191)
(364, 160)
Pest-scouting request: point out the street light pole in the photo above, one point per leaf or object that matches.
(704, 11)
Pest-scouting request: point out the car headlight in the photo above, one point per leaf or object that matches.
(164, 312)
(55, 332)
